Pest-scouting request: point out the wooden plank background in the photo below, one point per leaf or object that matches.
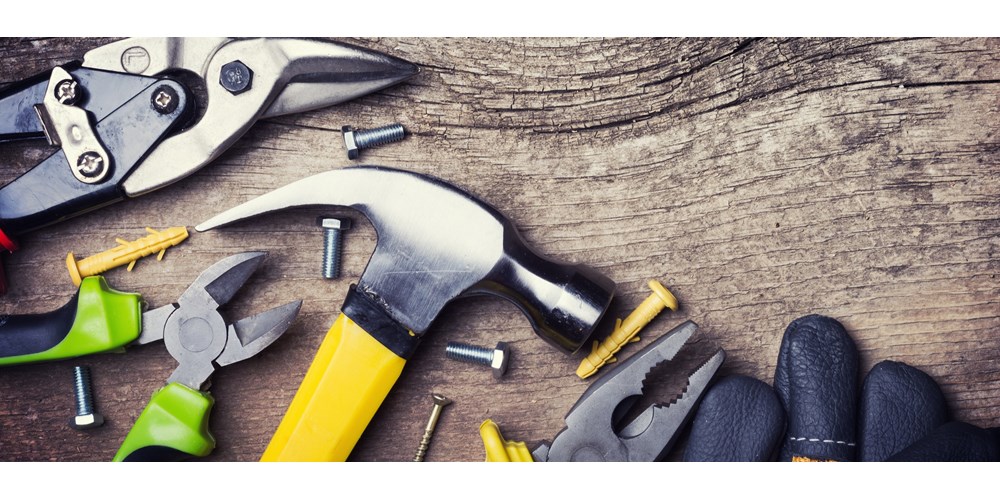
(760, 179)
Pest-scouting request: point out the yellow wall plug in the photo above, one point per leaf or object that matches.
(127, 252)
(625, 331)
(499, 449)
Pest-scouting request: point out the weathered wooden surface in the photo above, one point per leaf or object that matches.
(760, 179)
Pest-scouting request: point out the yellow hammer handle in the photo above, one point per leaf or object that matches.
(349, 378)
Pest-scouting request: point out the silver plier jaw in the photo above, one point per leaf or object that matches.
(195, 333)
(590, 434)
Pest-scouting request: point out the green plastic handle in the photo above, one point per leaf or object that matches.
(98, 319)
(174, 426)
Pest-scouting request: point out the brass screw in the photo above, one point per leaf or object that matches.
(439, 403)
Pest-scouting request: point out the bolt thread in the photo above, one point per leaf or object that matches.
(425, 443)
(469, 353)
(83, 391)
(331, 253)
(377, 136)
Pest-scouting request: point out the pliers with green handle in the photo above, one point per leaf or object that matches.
(174, 424)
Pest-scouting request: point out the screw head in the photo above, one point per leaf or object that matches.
(501, 357)
(165, 100)
(350, 142)
(440, 400)
(66, 92)
(90, 164)
(235, 77)
(88, 421)
(333, 223)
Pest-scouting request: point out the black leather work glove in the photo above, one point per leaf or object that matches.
(815, 412)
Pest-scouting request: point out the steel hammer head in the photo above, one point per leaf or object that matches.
(436, 243)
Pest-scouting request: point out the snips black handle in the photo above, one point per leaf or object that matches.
(57, 188)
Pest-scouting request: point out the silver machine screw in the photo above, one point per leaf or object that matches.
(356, 140)
(333, 234)
(90, 164)
(439, 403)
(165, 100)
(66, 92)
(86, 417)
(496, 358)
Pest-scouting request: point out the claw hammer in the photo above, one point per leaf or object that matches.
(435, 243)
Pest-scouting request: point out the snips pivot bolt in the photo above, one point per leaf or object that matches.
(165, 100)
(235, 77)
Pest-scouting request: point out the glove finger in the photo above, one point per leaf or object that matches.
(816, 381)
(739, 420)
(954, 442)
(899, 405)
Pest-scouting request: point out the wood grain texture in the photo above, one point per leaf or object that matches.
(760, 179)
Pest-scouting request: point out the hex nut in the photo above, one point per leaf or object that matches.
(235, 77)
(349, 142)
(81, 422)
(326, 222)
(501, 357)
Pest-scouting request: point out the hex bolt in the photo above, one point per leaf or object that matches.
(356, 140)
(86, 417)
(333, 234)
(90, 164)
(496, 358)
(235, 77)
(439, 403)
